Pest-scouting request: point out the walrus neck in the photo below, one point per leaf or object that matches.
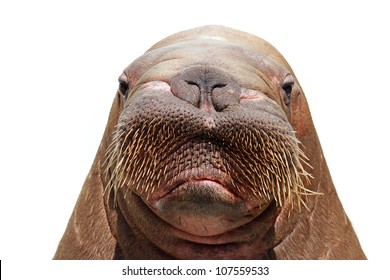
(324, 220)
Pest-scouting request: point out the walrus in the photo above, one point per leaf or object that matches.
(210, 152)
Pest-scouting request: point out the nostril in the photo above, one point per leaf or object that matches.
(225, 95)
(192, 83)
(219, 86)
(186, 90)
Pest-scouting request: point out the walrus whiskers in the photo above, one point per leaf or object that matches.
(272, 168)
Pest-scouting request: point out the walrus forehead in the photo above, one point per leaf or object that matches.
(248, 67)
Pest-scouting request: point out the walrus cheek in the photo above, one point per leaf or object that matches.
(205, 208)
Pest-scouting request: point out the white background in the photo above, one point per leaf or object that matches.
(59, 63)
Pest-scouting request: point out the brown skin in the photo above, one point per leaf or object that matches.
(183, 169)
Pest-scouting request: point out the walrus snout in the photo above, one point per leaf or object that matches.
(206, 88)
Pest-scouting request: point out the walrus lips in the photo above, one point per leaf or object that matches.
(205, 172)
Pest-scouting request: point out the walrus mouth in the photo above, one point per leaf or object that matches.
(204, 208)
(204, 205)
(196, 176)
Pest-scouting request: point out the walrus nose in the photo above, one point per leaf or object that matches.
(206, 88)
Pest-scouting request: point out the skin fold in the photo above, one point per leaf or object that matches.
(209, 152)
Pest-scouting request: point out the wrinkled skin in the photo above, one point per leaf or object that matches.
(183, 169)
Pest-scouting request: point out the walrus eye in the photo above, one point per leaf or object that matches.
(287, 88)
(123, 85)
(123, 89)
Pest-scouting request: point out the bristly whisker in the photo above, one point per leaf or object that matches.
(268, 159)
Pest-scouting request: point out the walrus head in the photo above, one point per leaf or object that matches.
(205, 149)
(210, 151)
